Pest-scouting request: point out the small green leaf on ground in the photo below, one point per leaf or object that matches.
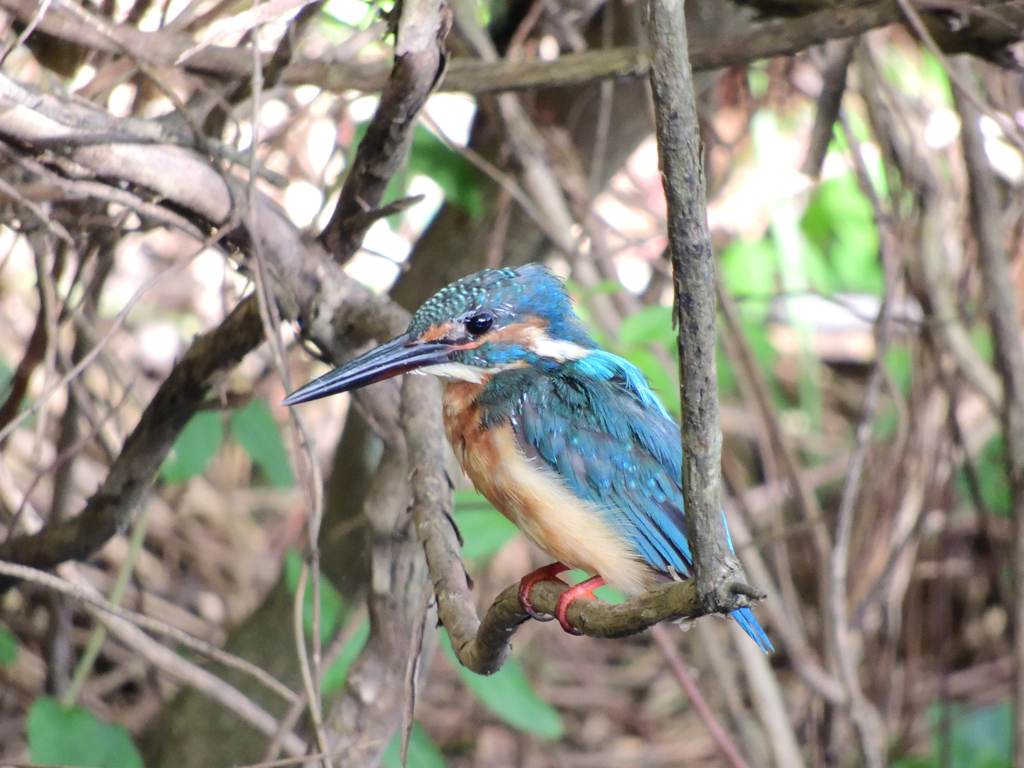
(509, 695)
(8, 647)
(977, 738)
(331, 603)
(73, 736)
(334, 678)
(484, 530)
(257, 431)
(423, 753)
(993, 481)
(196, 445)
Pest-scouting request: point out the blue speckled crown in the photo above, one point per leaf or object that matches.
(531, 291)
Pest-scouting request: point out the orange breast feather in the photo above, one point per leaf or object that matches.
(534, 498)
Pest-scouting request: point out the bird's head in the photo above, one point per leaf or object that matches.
(488, 322)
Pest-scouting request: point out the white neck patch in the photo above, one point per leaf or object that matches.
(543, 345)
(460, 371)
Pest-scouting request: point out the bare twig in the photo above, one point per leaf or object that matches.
(420, 60)
(129, 479)
(838, 54)
(125, 629)
(869, 726)
(678, 667)
(88, 596)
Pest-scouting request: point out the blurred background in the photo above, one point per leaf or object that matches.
(820, 217)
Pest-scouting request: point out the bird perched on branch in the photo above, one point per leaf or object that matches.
(565, 439)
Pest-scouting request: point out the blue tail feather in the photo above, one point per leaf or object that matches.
(745, 618)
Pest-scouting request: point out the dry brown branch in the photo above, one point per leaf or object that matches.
(80, 590)
(337, 314)
(1002, 308)
(420, 59)
(838, 55)
(126, 629)
(774, 37)
(718, 574)
(866, 719)
(131, 475)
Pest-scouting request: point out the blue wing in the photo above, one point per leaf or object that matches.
(597, 424)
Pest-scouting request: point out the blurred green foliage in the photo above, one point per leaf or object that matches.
(353, 14)
(993, 480)
(423, 753)
(74, 736)
(484, 529)
(331, 603)
(900, 365)
(969, 738)
(431, 157)
(842, 238)
(8, 647)
(194, 448)
(253, 427)
(509, 695)
(257, 431)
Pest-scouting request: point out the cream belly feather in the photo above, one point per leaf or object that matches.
(536, 500)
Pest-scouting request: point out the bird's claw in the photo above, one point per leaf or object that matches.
(583, 589)
(547, 573)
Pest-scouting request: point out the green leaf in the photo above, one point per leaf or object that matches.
(981, 340)
(423, 753)
(431, 157)
(727, 383)
(990, 464)
(484, 529)
(978, 738)
(334, 678)
(331, 604)
(8, 647)
(453, 173)
(901, 368)
(196, 445)
(605, 286)
(840, 223)
(73, 736)
(982, 738)
(750, 270)
(257, 431)
(350, 13)
(509, 695)
(886, 424)
(664, 385)
(650, 325)
(6, 374)
(484, 533)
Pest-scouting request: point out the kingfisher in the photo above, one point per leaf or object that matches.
(565, 439)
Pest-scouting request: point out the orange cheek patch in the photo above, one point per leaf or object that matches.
(438, 332)
(516, 333)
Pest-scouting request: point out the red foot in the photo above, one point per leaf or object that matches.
(547, 573)
(583, 589)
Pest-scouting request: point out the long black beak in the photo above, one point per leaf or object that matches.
(397, 356)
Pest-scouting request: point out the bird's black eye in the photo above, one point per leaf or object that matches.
(479, 324)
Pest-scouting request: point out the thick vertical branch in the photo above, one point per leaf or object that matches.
(682, 174)
(1001, 305)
